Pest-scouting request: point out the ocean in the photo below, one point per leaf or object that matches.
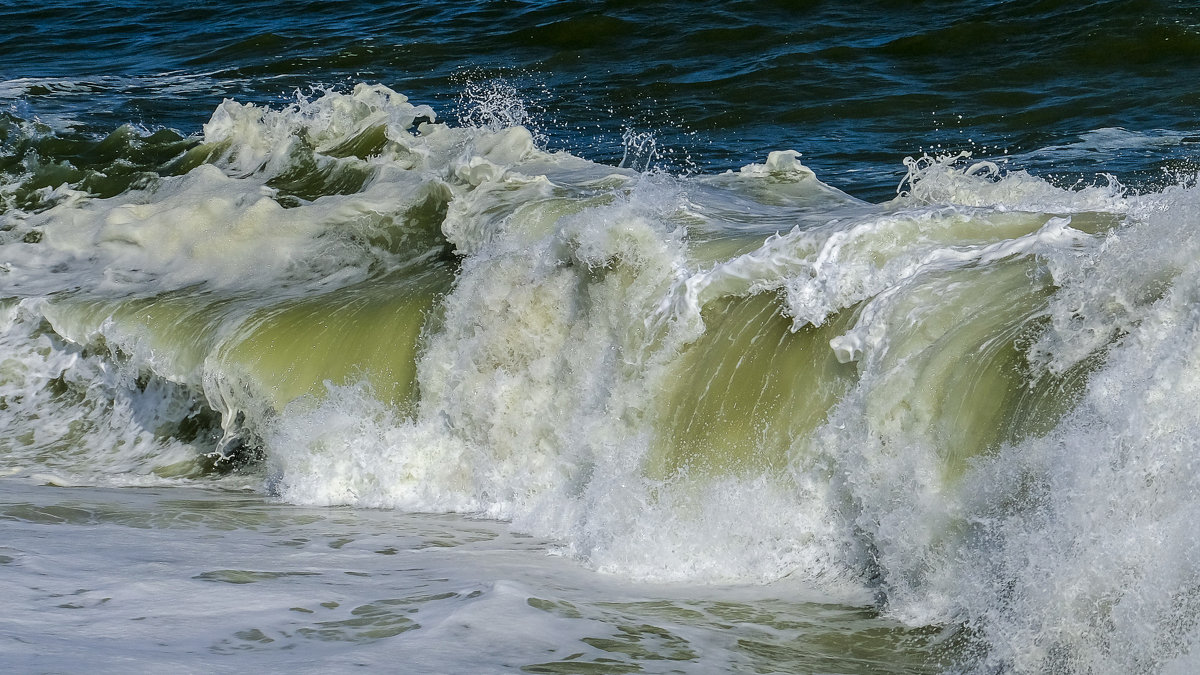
(600, 337)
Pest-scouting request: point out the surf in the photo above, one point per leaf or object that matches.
(969, 401)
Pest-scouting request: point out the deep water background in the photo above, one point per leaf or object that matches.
(855, 87)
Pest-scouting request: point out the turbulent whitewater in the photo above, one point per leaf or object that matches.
(973, 404)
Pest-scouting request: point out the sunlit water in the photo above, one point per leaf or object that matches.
(594, 338)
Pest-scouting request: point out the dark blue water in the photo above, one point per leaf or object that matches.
(854, 87)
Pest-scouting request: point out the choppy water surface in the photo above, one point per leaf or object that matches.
(599, 337)
(198, 580)
(716, 84)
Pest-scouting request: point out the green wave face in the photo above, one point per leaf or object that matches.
(744, 396)
(366, 333)
(291, 252)
(716, 324)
